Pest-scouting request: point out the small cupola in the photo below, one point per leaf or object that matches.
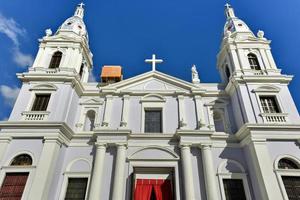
(111, 74)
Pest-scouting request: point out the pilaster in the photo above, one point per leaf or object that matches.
(200, 112)
(209, 172)
(187, 172)
(264, 172)
(107, 112)
(182, 118)
(125, 112)
(4, 142)
(95, 187)
(45, 169)
(119, 176)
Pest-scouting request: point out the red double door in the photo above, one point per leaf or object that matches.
(13, 186)
(153, 189)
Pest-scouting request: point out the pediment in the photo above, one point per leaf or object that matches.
(154, 153)
(91, 101)
(152, 82)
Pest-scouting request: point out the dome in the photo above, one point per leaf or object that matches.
(233, 23)
(75, 23)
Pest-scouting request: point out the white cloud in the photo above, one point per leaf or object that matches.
(13, 31)
(23, 60)
(9, 94)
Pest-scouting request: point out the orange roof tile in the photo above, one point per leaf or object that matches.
(111, 71)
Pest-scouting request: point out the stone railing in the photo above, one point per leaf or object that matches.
(35, 115)
(274, 117)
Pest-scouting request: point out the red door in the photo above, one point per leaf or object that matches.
(13, 186)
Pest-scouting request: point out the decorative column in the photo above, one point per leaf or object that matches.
(209, 173)
(125, 112)
(45, 169)
(95, 189)
(119, 176)
(187, 172)
(107, 112)
(181, 110)
(262, 165)
(199, 112)
(4, 141)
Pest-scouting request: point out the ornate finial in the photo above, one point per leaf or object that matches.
(153, 61)
(79, 10)
(229, 11)
(195, 75)
(48, 32)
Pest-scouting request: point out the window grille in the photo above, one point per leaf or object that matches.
(234, 189)
(55, 60)
(22, 160)
(287, 164)
(41, 102)
(292, 187)
(76, 189)
(153, 121)
(269, 104)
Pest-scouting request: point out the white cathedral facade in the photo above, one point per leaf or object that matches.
(152, 136)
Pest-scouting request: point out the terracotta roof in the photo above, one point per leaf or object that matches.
(111, 71)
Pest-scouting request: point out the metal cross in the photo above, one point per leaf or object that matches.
(81, 5)
(153, 61)
(227, 5)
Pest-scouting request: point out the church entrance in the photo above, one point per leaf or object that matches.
(13, 186)
(153, 184)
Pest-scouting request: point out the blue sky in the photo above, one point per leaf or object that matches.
(126, 32)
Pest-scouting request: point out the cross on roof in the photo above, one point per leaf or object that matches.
(153, 61)
(81, 5)
(227, 5)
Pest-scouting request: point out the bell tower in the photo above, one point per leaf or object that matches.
(242, 52)
(67, 51)
(256, 86)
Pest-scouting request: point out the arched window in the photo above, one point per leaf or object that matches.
(253, 61)
(90, 120)
(22, 160)
(285, 163)
(219, 121)
(81, 70)
(55, 60)
(227, 72)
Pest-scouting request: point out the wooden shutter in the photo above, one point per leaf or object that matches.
(153, 121)
(76, 188)
(234, 189)
(292, 187)
(13, 186)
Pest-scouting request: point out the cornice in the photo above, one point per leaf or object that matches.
(18, 129)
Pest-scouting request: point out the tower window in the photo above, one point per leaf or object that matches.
(227, 72)
(269, 104)
(41, 102)
(81, 70)
(55, 60)
(287, 164)
(253, 61)
(153, 121)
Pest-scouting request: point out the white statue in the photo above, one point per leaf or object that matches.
(48, 32)
(195, 76)
(260, 34)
